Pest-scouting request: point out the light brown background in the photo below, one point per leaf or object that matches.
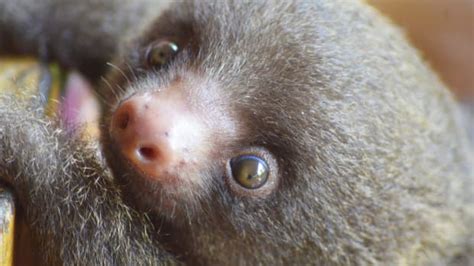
(444, 31)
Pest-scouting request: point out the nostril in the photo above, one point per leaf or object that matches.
(123, 120)
(148, 153)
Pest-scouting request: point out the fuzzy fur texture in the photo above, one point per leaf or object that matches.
(73, 206)
(64, 30)
(374, 164)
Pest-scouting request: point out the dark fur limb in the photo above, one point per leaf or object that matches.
(51, 30)
(74, 207)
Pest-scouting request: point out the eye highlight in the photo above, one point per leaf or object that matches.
(249, 171)
(161, 53)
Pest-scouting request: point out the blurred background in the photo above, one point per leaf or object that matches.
(444, 32)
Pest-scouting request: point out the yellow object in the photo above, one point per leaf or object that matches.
(7, 221)
(23, 74)
(26, 75)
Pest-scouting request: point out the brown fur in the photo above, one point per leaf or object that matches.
(374, 163)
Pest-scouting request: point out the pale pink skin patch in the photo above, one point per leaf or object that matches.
(79, 107)
(172, 134)
(157, 133)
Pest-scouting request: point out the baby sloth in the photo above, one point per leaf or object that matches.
(252, 133)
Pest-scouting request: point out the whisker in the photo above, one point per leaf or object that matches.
(112, 90)
(132, 70)
(120, 71)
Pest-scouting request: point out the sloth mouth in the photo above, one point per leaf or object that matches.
(169, 194)
(160, 180)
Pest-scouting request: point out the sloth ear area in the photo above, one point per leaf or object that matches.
(252, 173)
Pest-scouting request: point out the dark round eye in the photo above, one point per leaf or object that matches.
(161, 53)
(249, 171)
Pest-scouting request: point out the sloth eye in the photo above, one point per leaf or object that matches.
(252, 173)
(249, 171)
(161, 53)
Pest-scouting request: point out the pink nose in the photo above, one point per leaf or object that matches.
(156, 132)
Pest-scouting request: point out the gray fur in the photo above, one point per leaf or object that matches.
(73, 206)
(64, 30)
(375, 164)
